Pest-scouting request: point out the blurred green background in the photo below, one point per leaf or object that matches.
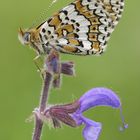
(20, 84)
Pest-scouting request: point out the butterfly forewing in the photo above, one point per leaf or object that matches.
(83, 27)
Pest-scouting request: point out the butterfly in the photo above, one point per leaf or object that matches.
(81, 28)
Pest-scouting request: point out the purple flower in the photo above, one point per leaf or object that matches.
(92, 98)
(71, 114)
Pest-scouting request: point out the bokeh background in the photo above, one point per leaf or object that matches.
(20, 84)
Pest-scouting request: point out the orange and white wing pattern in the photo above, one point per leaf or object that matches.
(83, 27)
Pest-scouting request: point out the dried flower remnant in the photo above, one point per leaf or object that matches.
(54, 66)
(71, 114)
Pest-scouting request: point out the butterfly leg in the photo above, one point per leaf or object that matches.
(38, 61)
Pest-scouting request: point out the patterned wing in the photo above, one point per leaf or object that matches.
(83, 27)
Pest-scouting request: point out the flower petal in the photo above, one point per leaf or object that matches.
(98, 97)
(92, 129)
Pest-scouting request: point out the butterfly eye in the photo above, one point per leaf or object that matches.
(26, 37)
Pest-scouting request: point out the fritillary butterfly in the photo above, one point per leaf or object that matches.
(82, 28)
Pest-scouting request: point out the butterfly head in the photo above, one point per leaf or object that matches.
(31, 38)
(24, 36)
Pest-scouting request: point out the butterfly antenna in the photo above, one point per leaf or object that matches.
(42, 15)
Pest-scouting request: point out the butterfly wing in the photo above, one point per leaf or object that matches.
(83, 27)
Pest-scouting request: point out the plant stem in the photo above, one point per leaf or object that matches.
(45, 91)
(54, 69)
(43, 101)
(38, 129)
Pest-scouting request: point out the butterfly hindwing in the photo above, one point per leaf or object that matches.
(83, 27)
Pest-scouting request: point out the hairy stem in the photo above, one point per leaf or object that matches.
(43, 101)
(45, 91)
(54, 68)
(37, 129)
